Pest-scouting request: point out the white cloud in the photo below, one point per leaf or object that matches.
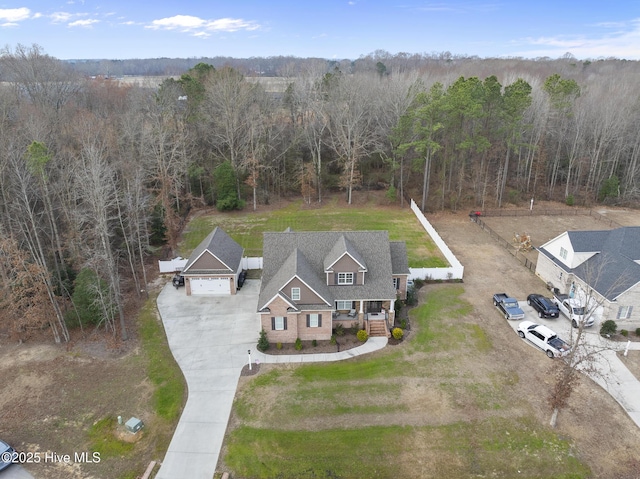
(200, 27)
(83, 23)
(60, 17)
(623, 43)
(12, 15)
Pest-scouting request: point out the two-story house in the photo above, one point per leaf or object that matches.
(603, 267)
(313, 280)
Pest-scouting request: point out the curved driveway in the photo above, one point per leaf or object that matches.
(209, 337)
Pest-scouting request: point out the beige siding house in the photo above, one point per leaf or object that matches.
(603, 265)
(312, 281)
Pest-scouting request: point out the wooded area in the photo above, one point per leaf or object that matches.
(96, 174)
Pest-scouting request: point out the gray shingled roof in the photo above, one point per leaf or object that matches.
(399, 259)
(342, 246)
(612, 270)
(372, 247)
(222, 246)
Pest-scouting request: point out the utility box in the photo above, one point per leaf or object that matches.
(134, 425)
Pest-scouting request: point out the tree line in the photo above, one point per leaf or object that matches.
(97, 175)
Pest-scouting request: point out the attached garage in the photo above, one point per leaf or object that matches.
(210, 285)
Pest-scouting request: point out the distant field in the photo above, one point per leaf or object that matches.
(247, 227)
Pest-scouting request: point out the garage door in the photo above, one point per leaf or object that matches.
(210, 286)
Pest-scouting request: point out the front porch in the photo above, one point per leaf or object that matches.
(375, 317)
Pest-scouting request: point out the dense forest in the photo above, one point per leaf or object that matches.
(96, 174)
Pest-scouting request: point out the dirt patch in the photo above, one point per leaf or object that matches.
(631, 361)
(592, 418)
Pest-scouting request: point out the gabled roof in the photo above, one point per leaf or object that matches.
(341, 247)
(296, 265)
(613, 269)
(305, 255)
(221, 246)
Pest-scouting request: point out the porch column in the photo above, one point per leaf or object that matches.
(361, 314)
(392, 314)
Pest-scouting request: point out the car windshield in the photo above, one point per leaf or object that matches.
(579, 310)
(4, 447)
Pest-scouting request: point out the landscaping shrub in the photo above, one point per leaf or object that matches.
(263, 342)
(333, 339)
(355, 327)
(362, 335)
(403, 323)
(624, 332)
(397, 333)
(608, 327)
(278, 345)
(570, 200)
(314, 343)
(298, 345)
(339, 329)
(637, 331)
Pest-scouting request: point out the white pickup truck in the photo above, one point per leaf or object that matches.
(574, 310)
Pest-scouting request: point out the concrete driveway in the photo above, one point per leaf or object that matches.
(609, 371)
(209, 337)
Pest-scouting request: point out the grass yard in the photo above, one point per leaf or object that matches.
(411, 411)
(247, 227)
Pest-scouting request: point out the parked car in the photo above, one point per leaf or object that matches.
(508, 306)
(574, 310)
(545, 307)
(178, 280)
(6, 455)
(242, 278)
(544, 338)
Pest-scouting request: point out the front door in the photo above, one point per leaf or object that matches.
(375, 306)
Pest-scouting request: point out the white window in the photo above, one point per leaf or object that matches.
(313, 321)
(624, 312)
(563, 253)
(278, 323)
(342, 305)
(345, 278)
(295, 294)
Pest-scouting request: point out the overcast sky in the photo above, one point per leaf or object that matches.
(119, 29)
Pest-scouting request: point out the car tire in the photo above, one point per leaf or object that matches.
(574, 323)
(529, 302)
(540, 314)
(521, 334)
(495, 303)
(550, 353)
(506, 315)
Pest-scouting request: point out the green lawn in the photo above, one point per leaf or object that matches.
(247, 228)
(377, 416)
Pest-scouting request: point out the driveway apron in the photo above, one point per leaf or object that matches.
(209, 337)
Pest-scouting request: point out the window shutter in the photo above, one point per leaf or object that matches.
(285, 322)
(335, 278)
(273, 323)
(319, 320)
(355, 278)
(308, 321)
(630, 311)
(619, 312)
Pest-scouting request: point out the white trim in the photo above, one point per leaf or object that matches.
(362, 267)
(293, 297)
(278, 294)
(295, 276)
(186, 270)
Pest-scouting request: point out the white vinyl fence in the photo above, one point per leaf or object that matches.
(172, 265)
(455, 271)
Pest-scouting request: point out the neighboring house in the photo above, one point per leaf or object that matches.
(311, 281)
(214, 266)
(603, 265)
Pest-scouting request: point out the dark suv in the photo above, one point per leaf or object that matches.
(178, 280)
(543, 305)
